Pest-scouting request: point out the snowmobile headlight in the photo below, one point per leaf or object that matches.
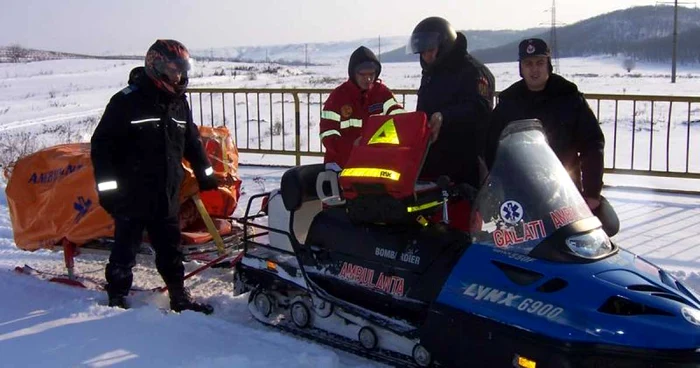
(691, 315)
(520, 361)
(592, 244)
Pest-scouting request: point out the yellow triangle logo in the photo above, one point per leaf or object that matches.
(385, 134)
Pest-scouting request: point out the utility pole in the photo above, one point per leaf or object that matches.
(553, 38)
(553, 46)
(675, 41)
(674, 51)
(306, 55)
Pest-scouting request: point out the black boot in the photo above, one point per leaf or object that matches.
(119, 279)
(118, 301)
(180, 300)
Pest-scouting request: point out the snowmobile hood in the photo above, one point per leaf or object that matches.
(540, 262)
(621, 300)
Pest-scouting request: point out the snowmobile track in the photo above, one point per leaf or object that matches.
(339, 342)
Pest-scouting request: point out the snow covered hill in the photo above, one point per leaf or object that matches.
(300, 54)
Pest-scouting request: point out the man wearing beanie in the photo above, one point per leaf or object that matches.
(571, 128)
(362, 95)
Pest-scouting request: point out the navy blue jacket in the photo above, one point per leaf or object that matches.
(571, 128)
(461, 88)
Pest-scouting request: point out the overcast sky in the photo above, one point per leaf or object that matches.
(130, 26)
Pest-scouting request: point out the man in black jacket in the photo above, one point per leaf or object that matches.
(137, 150)
(456, 93)
(571, 128)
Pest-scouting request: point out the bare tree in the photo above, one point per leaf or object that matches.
(629, 64)
(16, 53)
(15, 146)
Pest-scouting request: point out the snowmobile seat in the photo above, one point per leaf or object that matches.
(299, 196)
(299, 185)
(401, 246)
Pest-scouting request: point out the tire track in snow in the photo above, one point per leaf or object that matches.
(49, 119)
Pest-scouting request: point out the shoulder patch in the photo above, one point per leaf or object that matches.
(483, 86)
(346, 111)
(128, 89)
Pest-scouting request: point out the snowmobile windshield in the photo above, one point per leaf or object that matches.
(528, 194)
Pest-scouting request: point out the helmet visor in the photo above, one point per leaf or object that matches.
(172, 68)
(422, 41)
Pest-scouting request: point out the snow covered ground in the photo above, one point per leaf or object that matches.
(46, 324)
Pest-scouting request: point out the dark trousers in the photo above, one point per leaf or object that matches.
(164, 234)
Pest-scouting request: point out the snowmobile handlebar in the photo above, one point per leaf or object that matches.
(456, 190)
(453, 190)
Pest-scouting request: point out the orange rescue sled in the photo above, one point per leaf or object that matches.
(52, 197)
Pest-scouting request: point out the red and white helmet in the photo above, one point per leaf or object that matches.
(167, 64)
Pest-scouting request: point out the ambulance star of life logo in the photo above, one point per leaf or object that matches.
(511, 212)
(530, 49)
(82, 206)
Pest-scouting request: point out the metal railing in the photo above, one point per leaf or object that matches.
(645, 135)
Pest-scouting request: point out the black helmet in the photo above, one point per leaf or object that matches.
(166, 57)
(432, 33)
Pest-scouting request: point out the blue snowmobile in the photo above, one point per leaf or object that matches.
(535, 283)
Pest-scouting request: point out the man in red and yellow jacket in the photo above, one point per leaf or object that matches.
(362, 95)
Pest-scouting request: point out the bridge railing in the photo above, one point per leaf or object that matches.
(645, 135)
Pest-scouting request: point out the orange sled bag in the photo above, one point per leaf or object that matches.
(380, 180)
(52, 193)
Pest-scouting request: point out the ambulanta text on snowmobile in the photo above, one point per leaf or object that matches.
(536, 282)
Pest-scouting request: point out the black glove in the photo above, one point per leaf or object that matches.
(208, 183)
(607, 216)
(109, 200)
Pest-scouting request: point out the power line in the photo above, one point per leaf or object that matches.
(553, 45)
(554, 49)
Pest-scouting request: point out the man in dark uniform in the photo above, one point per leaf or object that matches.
(137, 151)
(456, 93)
(571, 128)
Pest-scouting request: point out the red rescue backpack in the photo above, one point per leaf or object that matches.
(380, 180)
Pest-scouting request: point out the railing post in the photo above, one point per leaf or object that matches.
(297, 128)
